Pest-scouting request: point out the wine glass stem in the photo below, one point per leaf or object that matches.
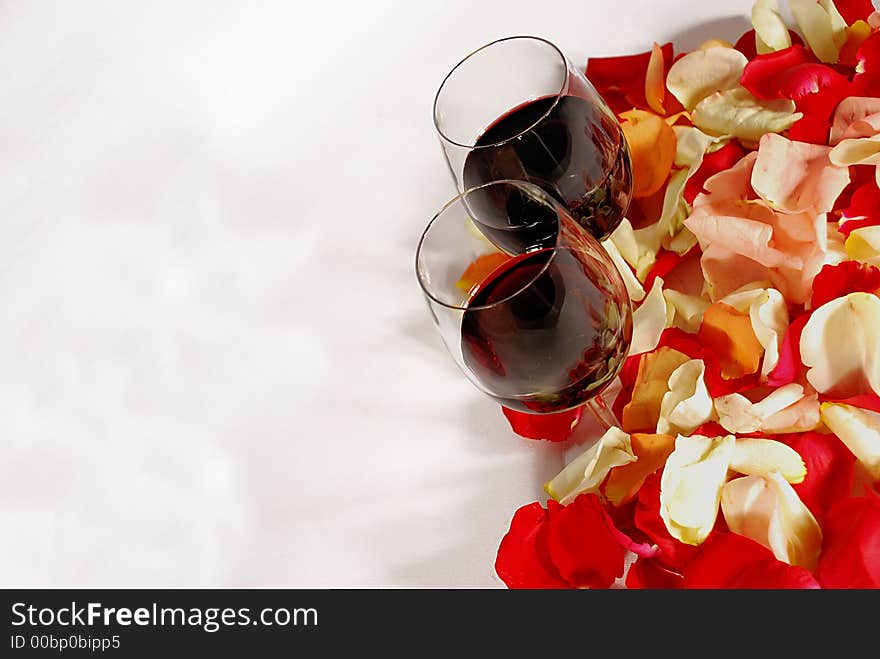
(604, 417)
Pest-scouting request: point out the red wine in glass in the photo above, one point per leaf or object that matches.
(566, 145)
(543, 322)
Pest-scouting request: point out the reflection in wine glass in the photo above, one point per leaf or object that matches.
(517, 109)
(528, 303)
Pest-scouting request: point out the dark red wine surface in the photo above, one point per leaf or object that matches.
(567, 146)
(551, 345)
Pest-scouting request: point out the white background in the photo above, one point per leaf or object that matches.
(216, 368)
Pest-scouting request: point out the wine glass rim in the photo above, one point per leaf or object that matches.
(524, 185)
(556, 96)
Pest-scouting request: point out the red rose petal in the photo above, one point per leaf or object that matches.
(623, 77)
(673, 553)
(790, 366)
(863, 209)
(829, 470)
(581, 545)
(552, 427)
(863, 401)
(664, 264)
(728, 560)
(867, 78)
(764, 73)
(854, 10)
(646, 574)
(690, 345)
(521, 562)
(713, 163)
(851, 549)
(835, 281)
(811, 129)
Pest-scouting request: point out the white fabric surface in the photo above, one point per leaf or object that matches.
(216, 368)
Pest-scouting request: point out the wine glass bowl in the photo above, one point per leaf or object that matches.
(517, 109)
(528, 303)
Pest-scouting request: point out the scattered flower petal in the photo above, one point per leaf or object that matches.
(767, 510)
(655, 90)
(785, 410)
(737, 113)
(863, 245)
(704, 72)
(855, 117)
(762, 457)
(688, 310)
(522, 561)
(835, 281)
(839, 346)
(852, 545)
(771, 32)
(829, 466)
(624, 481)
(729, 334)
(649, 320)
(652, 150)
(687, 404)
(730, 560)
(552, 427)
(633, 286)
(822, 26)
(859, 430)
(673, 553)
(652, 383)
(690, 487)
(587, 471)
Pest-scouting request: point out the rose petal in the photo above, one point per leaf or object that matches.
(762, 457)
(863, 209)
(624, 481)
(729, 334)
(770, 30)
(793, 176)
(852, 545)
(829, 466)
(704, 72)
(522, 562)
(856, 116)
(635, 251)
(859, 430)
(839, 346)
(688, 310)
(822, 26)
(655, 91)
(649, 320)
(786, 409)
(730, 560)
(648, 574)
(868, 67)
(835, 281)
(854, 10)
(748, 46)
(767, 510)
(763, 73)
(712, 163)
(673, 553)
(863, 245)
(588, 470)
(652, 383)
(652, 146)
(585, 551)
(687, 404)
(633, 286)
(552, 427)
(624, 77)
(737, 113)
(690, 487)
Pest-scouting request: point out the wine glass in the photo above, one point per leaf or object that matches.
(517, 109)
(528, 303)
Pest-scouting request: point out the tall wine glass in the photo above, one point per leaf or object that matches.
(529, 304)
(518, 109)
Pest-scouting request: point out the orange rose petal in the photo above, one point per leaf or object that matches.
(652, 146)
(652, 382)
(655, 80)
(624, 482)
(728, 333)
(481, 268)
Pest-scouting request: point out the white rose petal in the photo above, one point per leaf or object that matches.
(859, 430)
(704, 72)
(587, 471)
(691, 483)
(770, 30)
(762, 457)
(649, 320)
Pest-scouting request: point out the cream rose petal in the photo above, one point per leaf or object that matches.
(859, 430)
(857, 151)
(687, 405)
(691, 484)
(796, 176)
(587, 471)
(768, 313)
(633, 285)
(692, 144)
(737, 414)
(839, 346)
(836, 250)
(769, 511)
(688, 310)
(704, 72)
(637, 248)
(864, 245)
(649, 320)
(762, 457)
(822, 26)
(770, 30)
(737, 113)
